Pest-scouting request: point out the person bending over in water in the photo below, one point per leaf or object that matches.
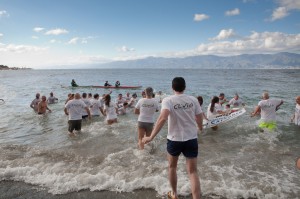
(111, 110)
(213, 109)
(43, 106)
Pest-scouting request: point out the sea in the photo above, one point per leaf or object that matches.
(38, 159)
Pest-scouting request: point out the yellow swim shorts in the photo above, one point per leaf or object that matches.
(267, 125)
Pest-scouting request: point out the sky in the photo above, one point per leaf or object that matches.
(62, 33)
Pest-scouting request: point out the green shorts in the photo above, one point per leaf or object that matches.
(267, 125)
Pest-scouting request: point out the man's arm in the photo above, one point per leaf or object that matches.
(277, 107)
(66, 111)
(136, 111)
(257, 110)
(88, 111)
(163, 117)
(199, 121)
(40, 107)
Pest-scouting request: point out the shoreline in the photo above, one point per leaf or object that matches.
(14, 189)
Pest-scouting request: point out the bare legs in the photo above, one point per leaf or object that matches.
(191, 165)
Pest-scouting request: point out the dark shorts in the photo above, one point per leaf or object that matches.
(145, 125)
(74, 124)
(188, 148)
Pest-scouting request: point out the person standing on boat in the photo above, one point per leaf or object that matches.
(184, 116)
(35, 102)
(117, 84)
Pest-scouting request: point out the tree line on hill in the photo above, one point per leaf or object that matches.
(3, 67)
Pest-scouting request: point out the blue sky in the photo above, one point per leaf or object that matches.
(58, 33)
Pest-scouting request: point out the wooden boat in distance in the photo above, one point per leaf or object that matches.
(109, 87)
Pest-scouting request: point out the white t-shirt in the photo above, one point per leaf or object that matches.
(181, 121)
(120, 101)
(147, 109)
(268, 109)
(88, 104)
(95, 107)
(110, 111)
(211, 115)
(235, 102)
(297, 115)
(74, 108)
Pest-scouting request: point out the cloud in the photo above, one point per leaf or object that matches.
(1, 35)
(285, 6)
(200, 17)
(279, 13)
(83, 40)
(73, 40)
(57, 31)
(20, 48)
(265, 42)
(233, 12)
(38, 29)
(125, 49)
(35, 37)
(225, 34)
(4, 13)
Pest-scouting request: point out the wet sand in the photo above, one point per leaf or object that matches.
(20, 190)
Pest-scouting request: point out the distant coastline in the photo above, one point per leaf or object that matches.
(3, 67)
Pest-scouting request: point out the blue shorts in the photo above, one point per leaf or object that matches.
(188, 148)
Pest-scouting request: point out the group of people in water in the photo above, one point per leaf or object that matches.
(183, 113)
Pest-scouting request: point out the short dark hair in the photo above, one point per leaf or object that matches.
(178, 84)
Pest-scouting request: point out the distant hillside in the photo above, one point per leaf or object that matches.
(3, 67)
(247, 61)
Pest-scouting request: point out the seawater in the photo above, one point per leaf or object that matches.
(235, 161)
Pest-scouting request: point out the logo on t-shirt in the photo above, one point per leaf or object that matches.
(183, 106)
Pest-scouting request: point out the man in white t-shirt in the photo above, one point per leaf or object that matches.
(73, 109)
(184, 115)
(87, 103)
(145, 108)
(267, 109)
(96, 106)
(236, 101)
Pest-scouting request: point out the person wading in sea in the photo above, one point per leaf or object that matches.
(184, 116)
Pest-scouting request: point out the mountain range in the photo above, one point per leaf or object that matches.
(282, 60)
